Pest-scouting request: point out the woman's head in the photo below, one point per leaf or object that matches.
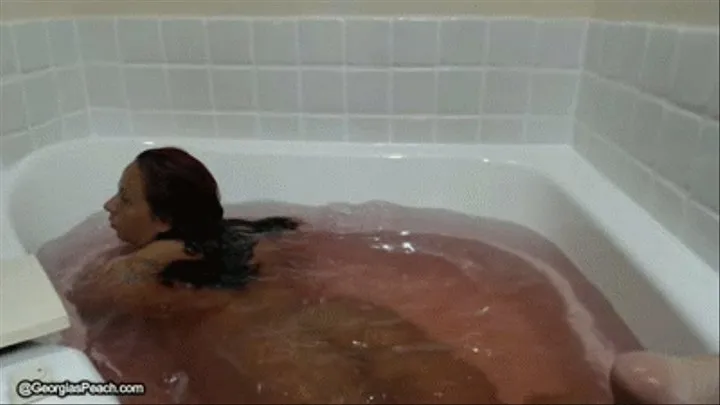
(165, 193)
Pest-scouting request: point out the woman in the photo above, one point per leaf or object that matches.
(207, 309)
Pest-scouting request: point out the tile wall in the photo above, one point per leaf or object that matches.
(647, 117)
(357, 79)
(42, 88)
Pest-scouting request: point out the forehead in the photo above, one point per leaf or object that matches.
(131, 179)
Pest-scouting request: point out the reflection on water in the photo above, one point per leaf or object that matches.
(370, 303)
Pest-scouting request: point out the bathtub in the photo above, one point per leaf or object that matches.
(667, 295)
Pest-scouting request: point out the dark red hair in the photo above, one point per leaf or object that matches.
(181, 191)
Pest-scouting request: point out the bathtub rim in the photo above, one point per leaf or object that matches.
(571, 173)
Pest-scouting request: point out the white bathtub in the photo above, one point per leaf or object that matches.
(667, 295)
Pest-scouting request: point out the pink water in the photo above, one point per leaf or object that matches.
(370, 303)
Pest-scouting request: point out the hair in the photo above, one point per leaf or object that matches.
(181, 191)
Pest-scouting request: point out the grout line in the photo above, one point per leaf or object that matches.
(209, 75)
(436, 86)
(343, 57)
(391, 81)
(22, 81)
(123, 79)
(258, 134)
(300, 82)
(166, 77)
(666, 104)
(83, 74)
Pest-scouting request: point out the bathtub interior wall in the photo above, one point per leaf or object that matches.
(647, 118)
(512, 192)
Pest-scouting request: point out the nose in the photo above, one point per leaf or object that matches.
(109, 205)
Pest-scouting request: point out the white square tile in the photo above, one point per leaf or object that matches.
(277, 90)
(697, 69)
(553, 130)
(459, 92)
(368, 92)
(633, 179)
(605, 109)
(46, 134)
(506, 92)
(139, 40)
(415, 42)
(12, 108)
(511, 42)
(560, 44)
(581, 138)
(275, 42)
(237, 125)
(413, 92)
(621, 111)
(8, 62)
(679, 134)
(233, 89)
(97, 40)
(230, 42)
(196, 125)
(14, 148)
(411, 130)
(185, 41)
(594, 47)
(668, 206)
(502, 130)
(457, 130)
(147, 88)
(41, 99)
(612, 50)
(587, 110)
(646, 131)
(105, 87)
(76, 126)
(704, 167)
(368, 42)
(279, 127)
(154, 124)
(322, 91)
(321, 41)
(657, 70)
(323, 129)
(373, 130)
(606, 158)
(31, 39)
(712, 107)
(701, 233)
(462, 41)
(190, 89)
(110, 122)
(553, 93)
(71, 90)
(633, 49)
(63, 44)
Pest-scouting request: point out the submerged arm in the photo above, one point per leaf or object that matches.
(132, 285)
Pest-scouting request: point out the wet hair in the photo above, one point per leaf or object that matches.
(181, 191)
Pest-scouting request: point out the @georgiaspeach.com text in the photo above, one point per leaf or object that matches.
(61, 389)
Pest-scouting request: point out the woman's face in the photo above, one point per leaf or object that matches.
(130, 213)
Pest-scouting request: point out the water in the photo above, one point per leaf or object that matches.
(370, 303)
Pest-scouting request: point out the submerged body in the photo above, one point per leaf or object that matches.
(364, 304)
